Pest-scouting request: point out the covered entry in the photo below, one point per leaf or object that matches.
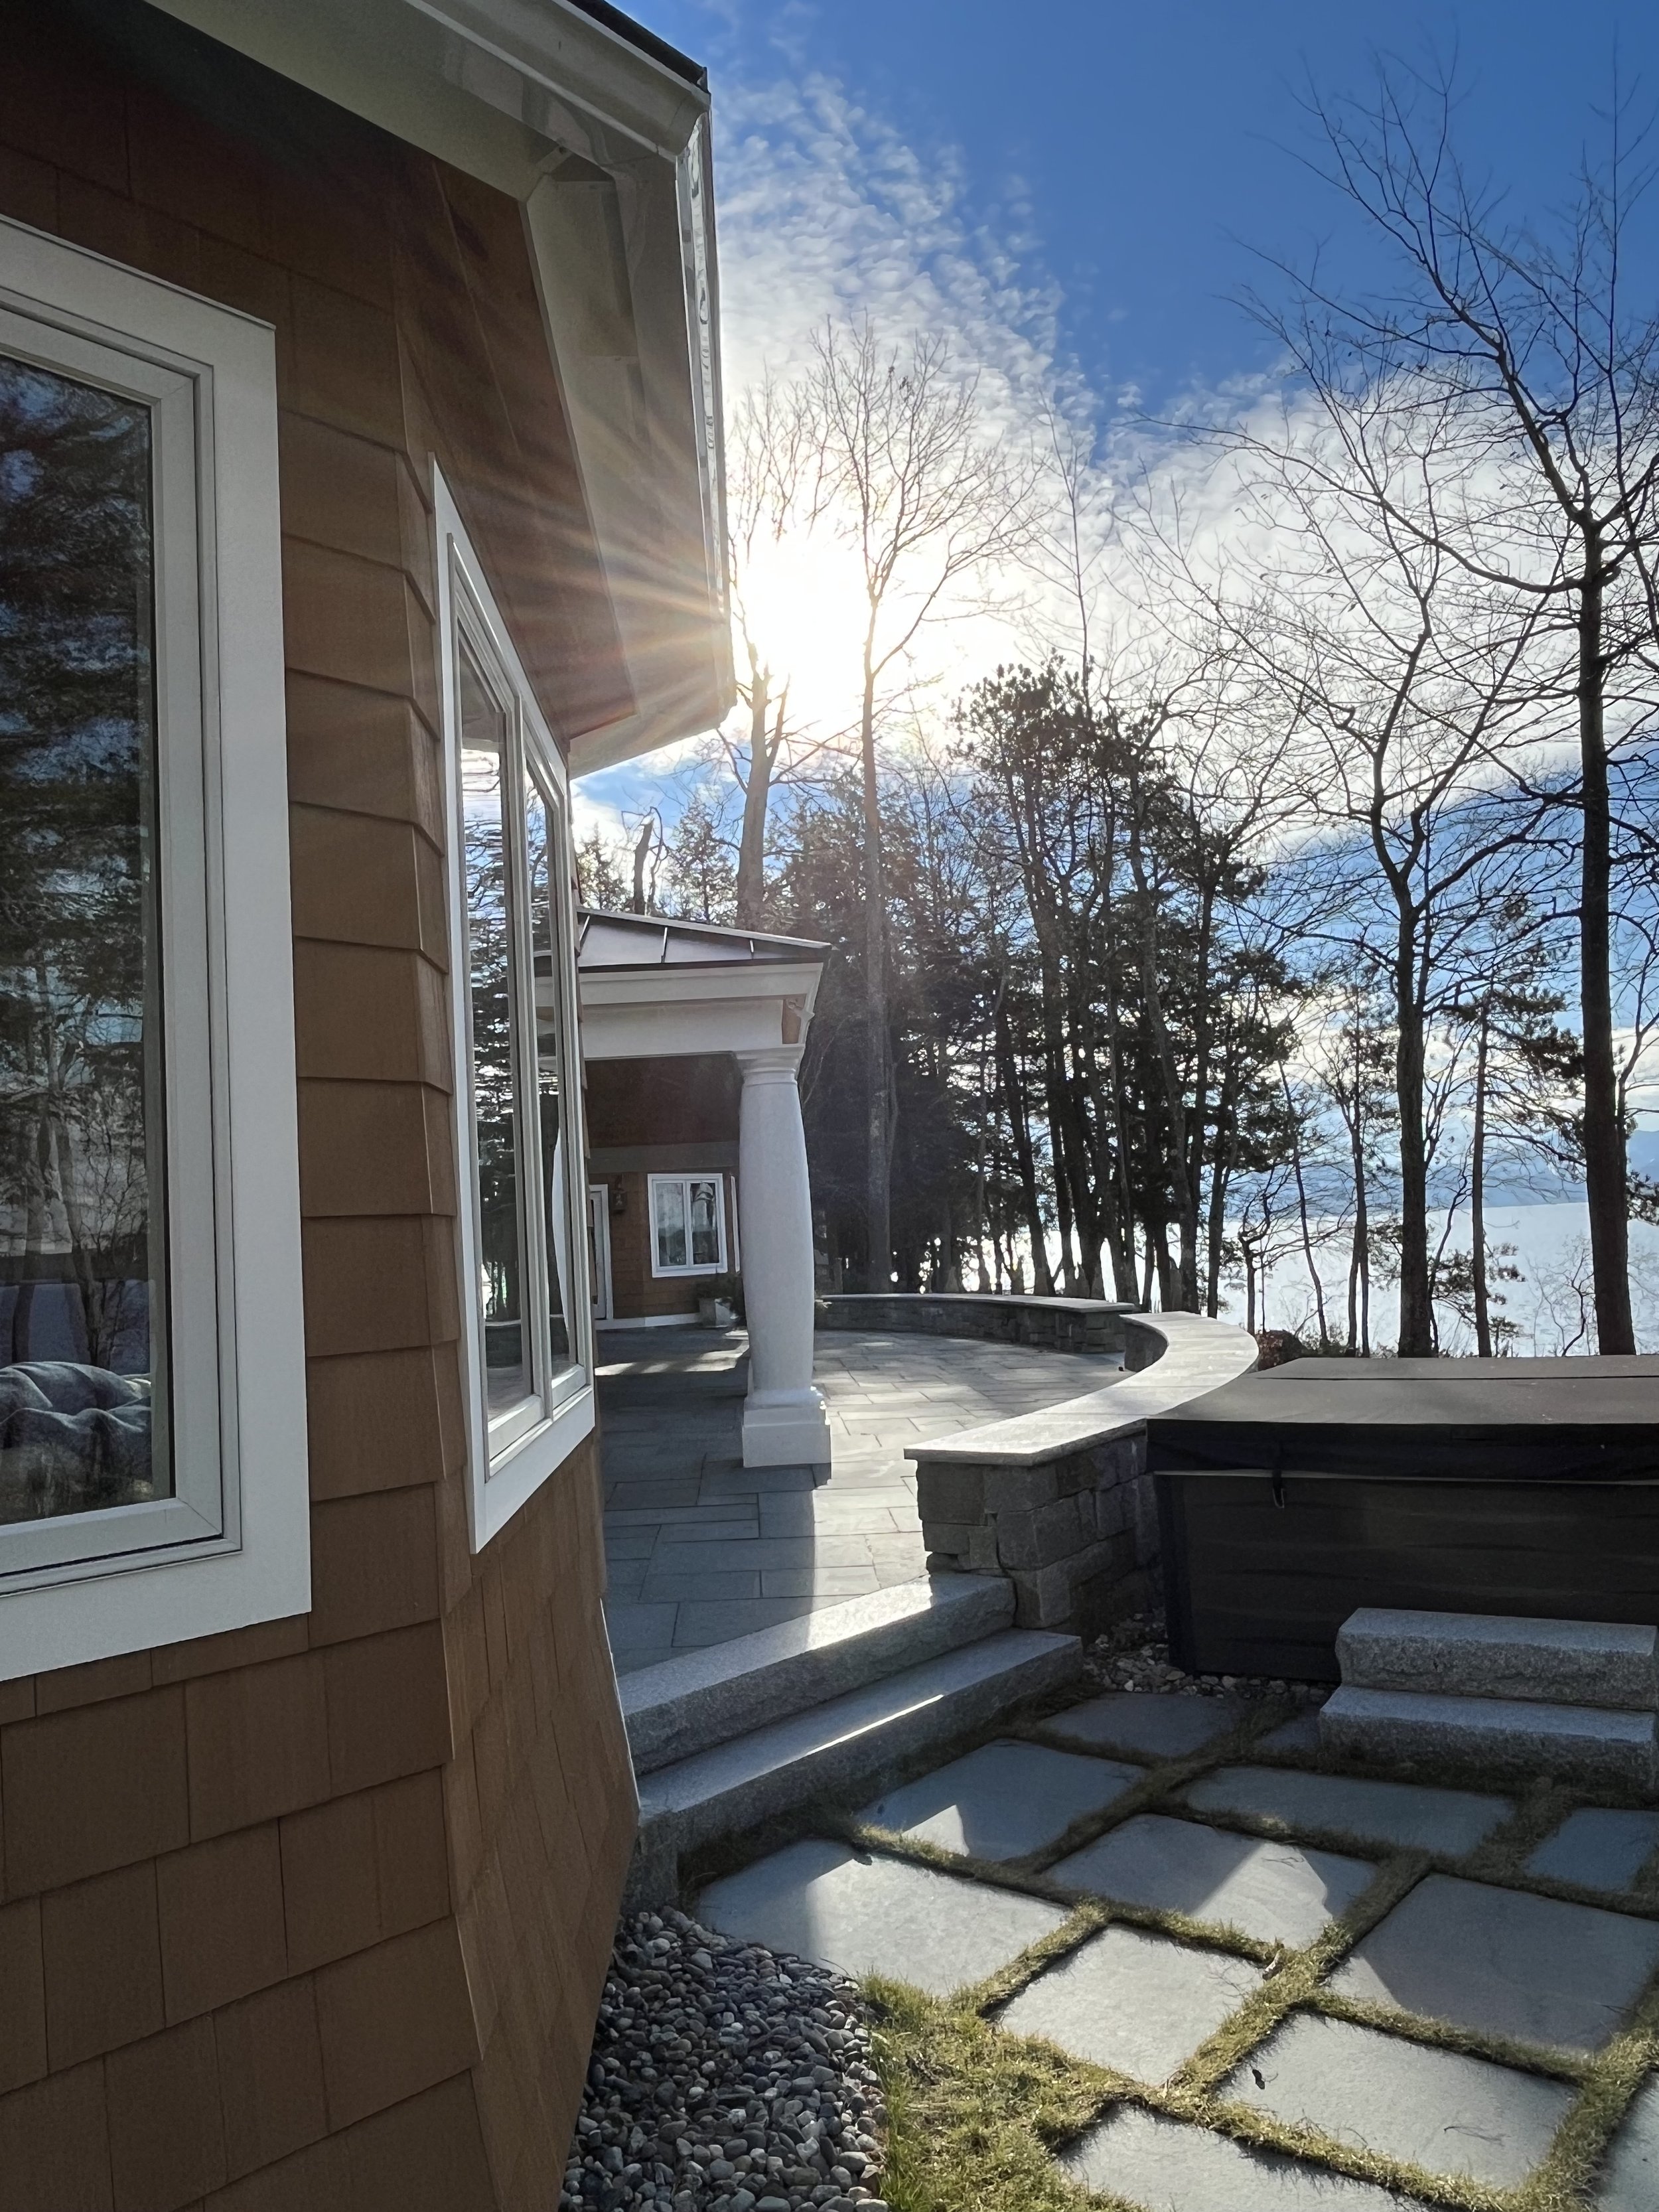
(692, 1038)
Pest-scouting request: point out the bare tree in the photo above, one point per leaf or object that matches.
(910, 475)
(768, 450)
(1405, 672)
(1532, 348)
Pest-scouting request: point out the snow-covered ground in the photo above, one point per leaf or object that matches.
(1550, 1304)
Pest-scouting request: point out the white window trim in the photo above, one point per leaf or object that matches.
(239, 1441)
(497, 1486)
(691, 1175)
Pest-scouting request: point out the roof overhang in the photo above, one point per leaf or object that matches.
(604, 142)
(653, 987)
(660, 1013)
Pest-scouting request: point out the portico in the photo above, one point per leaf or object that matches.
(692, 1040)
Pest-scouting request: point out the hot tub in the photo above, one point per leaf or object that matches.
(1289, 1497)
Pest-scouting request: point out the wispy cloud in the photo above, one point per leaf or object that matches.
(825, 209)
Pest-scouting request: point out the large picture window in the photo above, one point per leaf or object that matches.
(688, 1224)
(151, 1369)
(525, 1303)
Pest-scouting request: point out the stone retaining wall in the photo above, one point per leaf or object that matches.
(1046, 1324)
(1060, 1501)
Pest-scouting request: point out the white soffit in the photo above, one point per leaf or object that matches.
(607, 149)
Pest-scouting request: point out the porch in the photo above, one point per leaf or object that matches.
(700, 1548)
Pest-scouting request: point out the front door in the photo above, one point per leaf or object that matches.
(598, 1249)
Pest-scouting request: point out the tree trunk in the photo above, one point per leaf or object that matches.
(1013, 1093)
(878, 1189)
(1605, 1164)
(1416, 1321)
(1478, 1191)
(1182, 1291)
(643, 845)
(751, 845)
(1302, 1212)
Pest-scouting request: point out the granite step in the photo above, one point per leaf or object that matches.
(1470, 1654)
(1514, 1736)
(698, 1699)
(859, 1741)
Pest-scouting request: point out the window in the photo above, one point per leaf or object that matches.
(526, 1315)
(688, 1225)
(151, 1365)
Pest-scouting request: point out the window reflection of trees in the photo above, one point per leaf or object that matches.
(81, 1245)
(490, 898)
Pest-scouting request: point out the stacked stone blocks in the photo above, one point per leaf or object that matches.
(1076, 1535)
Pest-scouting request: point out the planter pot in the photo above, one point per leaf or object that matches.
(716, 1313)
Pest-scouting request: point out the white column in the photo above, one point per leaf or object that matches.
(784, 1422)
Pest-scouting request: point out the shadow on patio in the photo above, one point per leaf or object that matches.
(701, 1548)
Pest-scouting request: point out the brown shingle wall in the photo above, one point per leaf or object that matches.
(314, 1915)
(691, 1099)
(635, 1290)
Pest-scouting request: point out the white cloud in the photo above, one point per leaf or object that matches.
(824, 209)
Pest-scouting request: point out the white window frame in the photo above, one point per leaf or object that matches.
(700, 1174)
(510, 1457)
(232, 1545)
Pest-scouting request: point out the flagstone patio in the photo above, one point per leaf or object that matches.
(1283, 1987)
(700, 1548)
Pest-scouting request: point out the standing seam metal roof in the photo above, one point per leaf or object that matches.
(649, 940)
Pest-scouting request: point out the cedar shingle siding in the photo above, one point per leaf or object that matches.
(315, 1915)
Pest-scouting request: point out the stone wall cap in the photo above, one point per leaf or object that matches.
(1016, 1298)
(1197, 1355)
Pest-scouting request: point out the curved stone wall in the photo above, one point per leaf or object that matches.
(1046, 1324)
(1060, 1501)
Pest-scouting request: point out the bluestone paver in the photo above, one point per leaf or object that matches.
(1156, 1724)
(1532, 1968)
(672, 1406)
(1278, 1893)
(870, 1915)
(1599, 1849)
(1295, 1739)
(1003, 1799)
(1630, 2179)
(1438, 2109)
(1165, 2166)
(1452, 1821)
(1132, 2000)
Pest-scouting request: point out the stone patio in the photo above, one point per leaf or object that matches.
(700, 1548)
(1455, 1978)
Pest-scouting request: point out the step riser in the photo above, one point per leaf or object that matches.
(1563, 1662)
(1504, 1737)
(710, 1697)
(682, 1809)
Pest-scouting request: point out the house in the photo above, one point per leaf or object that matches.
(360, 483)
(692, 1038)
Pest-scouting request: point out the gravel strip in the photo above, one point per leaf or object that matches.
(1135, 1655)
(725, 2079)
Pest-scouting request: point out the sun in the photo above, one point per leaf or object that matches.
(803, 605)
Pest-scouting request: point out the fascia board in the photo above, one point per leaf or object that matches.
(574, 58)
(501, 89)
(680, 986)
(410, 66)
(668, 1030)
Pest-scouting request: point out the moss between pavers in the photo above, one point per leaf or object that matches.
(978, 2116)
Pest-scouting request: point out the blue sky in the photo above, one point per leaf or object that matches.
(1071, 191)
(1126, 157)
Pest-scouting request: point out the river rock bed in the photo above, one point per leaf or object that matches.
(724, 2078)
(1134, 1655)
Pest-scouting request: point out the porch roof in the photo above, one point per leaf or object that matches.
(610, 941)
(652, 988)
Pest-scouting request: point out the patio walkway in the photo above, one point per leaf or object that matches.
(701, 1548)
(1277, 1985)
